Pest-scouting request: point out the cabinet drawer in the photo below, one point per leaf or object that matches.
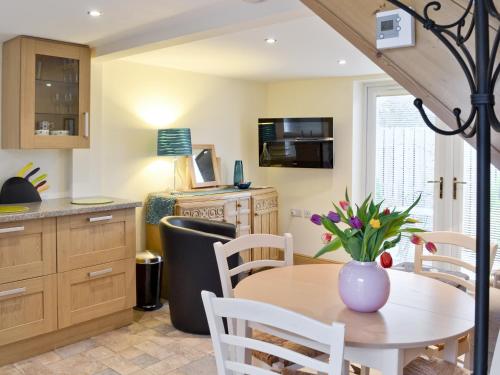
(243, 205)
(27, 249)
(93, 292)
(27, 308)
(90, 239)
(213, 210)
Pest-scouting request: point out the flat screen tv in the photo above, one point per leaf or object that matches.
(296, 142)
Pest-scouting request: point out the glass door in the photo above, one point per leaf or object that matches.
(465, 196)
(56, 96)
(401, 158)
(405, 159)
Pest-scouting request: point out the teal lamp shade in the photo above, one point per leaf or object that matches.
(174, 142)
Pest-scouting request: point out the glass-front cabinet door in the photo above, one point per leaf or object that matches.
(54, 87)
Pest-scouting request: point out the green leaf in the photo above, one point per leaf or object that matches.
(329, 247)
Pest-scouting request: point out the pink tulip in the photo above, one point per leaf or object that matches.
(345, 205)
(326, 238)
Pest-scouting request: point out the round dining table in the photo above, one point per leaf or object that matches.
(420, 312)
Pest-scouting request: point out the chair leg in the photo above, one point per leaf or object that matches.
(469, 355)
(365, 370)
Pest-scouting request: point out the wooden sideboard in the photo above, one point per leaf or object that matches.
(252, 211)
(63, 279)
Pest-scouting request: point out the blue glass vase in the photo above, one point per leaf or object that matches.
(238, 172)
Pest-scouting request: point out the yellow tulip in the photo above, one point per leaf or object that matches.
(375, 223)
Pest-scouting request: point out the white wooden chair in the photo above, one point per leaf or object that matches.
(455, 239)
(449, 238)
(223, 251)
(245, 311)
(433, 366)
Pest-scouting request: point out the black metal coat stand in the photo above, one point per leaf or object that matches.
(482, 72)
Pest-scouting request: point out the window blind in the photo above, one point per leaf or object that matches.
(404, 162)
(469, 204)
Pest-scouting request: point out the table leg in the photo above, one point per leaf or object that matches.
(450, 351)
(346, 368)
(392, 362)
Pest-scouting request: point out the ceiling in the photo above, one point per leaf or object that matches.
(68, 19)
(219, 37)
(307, 48)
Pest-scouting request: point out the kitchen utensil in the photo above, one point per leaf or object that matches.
(43, 188)
(18, 190)
(37, 187)
(39, 178)
(59, 132)
(91, 201)
(12, 209)
(24, 169)
(32, 173)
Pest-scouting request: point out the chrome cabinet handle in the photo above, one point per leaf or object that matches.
(441, 186)
(100, 273)
(11, 229)
(86, 122)
(100, 218)
(12, 292)
(455, 184)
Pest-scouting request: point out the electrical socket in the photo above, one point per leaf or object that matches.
(295, 212)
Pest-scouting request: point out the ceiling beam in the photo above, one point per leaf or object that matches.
(224, 17)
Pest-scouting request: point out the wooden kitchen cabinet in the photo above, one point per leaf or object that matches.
(28, 308)
(27, 249)
(93, 292)
(45, 94)
(96, 238)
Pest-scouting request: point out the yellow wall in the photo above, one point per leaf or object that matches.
(313, 189)
(131, 101)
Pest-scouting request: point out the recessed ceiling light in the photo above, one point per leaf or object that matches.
(342, 62)
(94, 13)
(271, 40)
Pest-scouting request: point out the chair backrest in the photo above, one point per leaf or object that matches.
(224, 251)
(330, 337)
(449, 238)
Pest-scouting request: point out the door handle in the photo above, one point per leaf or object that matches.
(100, 273)
(100, 218)
(86, 122)
(455, 184)
(441, 186)
(11, 229)
(12, 292)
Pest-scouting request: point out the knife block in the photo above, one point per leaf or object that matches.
(18, 190)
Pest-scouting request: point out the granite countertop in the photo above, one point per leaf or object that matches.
(63, 207)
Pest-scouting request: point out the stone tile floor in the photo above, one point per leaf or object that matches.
(149, 346)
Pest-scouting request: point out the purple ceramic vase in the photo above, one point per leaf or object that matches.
(364, 286)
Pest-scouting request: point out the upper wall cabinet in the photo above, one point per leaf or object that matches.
(45, 94)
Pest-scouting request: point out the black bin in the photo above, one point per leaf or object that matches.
(148, 281)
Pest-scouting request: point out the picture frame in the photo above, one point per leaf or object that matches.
(203, 166)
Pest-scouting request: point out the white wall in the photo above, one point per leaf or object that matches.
(313, 189)
(131, 101)
(56, 163)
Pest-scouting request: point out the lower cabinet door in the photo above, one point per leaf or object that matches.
(27, 308)
(97, 291)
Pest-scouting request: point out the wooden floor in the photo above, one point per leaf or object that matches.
(150, 346)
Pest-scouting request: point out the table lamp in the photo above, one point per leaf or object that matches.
(174, 142)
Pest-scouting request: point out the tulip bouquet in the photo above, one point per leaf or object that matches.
(370, 232)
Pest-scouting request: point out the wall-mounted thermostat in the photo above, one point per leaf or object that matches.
(395, 28)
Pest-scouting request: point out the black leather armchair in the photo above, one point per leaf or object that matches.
(190, 267)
